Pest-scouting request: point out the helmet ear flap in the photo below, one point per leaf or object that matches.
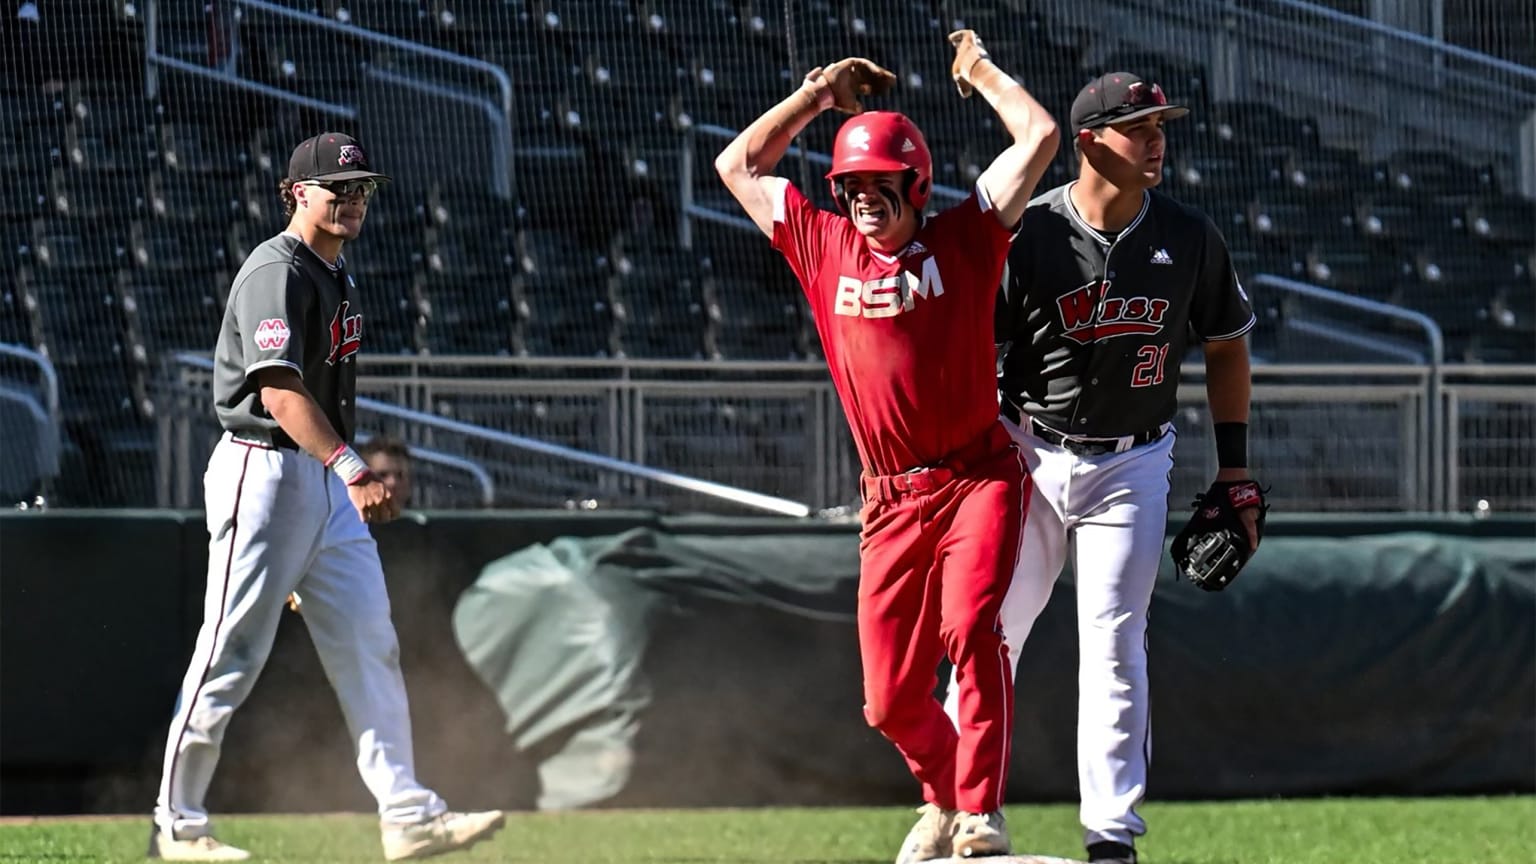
(918, 189)
(917, 192)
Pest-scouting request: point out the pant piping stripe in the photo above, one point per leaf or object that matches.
(218, 626)
(1026, 488)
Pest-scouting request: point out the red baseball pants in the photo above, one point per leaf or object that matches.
(936, 556)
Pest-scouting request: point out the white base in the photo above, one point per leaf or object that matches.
(1008, 860)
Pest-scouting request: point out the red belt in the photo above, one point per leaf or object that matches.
(961, 462)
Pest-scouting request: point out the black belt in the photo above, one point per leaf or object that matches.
(276, 439)
(1083, 446)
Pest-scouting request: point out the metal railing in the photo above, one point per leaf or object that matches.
(1490, 411)
(422, 420)
(481, 477)
(497, 113)
(179, 463)
(1357, 437)
(1433, 429)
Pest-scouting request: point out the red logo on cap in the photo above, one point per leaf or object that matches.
(350, 154)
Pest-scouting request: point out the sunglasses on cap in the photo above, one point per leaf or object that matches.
(347, 188)
(1144, 95)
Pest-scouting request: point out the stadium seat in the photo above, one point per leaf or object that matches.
(1392, 219)
(603, 115)
(633, 64)
(1505, 222)
(191, 198)
(195, 149)
(86, 196)
(735, 81)
(26, 195)
(555, 255)
(1272, 216)
(466, 253)
(1262, 127)
(20, 321)
(100, 108)
(659, 311)
(569, 317)
(557, 191)
(168, 314)
(464, 203)
(1469, 269)
(879, 30)
(70, 245)
(1435, 173)
(82, 331)
(1324, 172)
(1501, 345)
(467, 315)
(1347, 264)
(87, 150)
(651, 177)
(402, 18)
(699, 20)
(169, 247)
(1207, 161)
(377, 256)
(750, 320)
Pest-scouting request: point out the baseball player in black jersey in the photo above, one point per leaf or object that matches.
(1108, 285)
(287, 502)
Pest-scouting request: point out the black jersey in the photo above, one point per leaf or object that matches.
(1093, 329)
(288, 307)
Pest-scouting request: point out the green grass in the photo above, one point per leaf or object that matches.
(1330, 831)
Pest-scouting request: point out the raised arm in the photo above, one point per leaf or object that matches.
(746, 164)
(1011, 178)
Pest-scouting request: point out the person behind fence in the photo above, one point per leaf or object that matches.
(1108, 286)
(288, 505)
(903, 304)
(390, 460)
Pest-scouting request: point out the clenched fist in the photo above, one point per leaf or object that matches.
(849, 79)
(968, 52)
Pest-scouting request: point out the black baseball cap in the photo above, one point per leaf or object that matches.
(331, 156)
(1117, 98)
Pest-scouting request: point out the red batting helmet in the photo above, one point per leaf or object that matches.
(883, 141)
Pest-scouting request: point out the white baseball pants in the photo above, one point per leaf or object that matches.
(1109, 512)
(279, 521)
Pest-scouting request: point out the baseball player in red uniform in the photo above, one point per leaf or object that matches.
(903, 304)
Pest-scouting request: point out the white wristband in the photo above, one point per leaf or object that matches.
(350, 467)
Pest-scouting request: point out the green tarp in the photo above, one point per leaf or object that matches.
(1397, 663)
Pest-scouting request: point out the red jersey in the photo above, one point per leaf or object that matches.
(908, 338)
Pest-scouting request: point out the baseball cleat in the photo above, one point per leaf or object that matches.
(930, 837)
(205, 848)
(445, 832)
(1110, 852)
(981, 834)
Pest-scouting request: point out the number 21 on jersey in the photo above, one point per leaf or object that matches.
(1148, 371)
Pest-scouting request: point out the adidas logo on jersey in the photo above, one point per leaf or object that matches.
(1161, 256)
